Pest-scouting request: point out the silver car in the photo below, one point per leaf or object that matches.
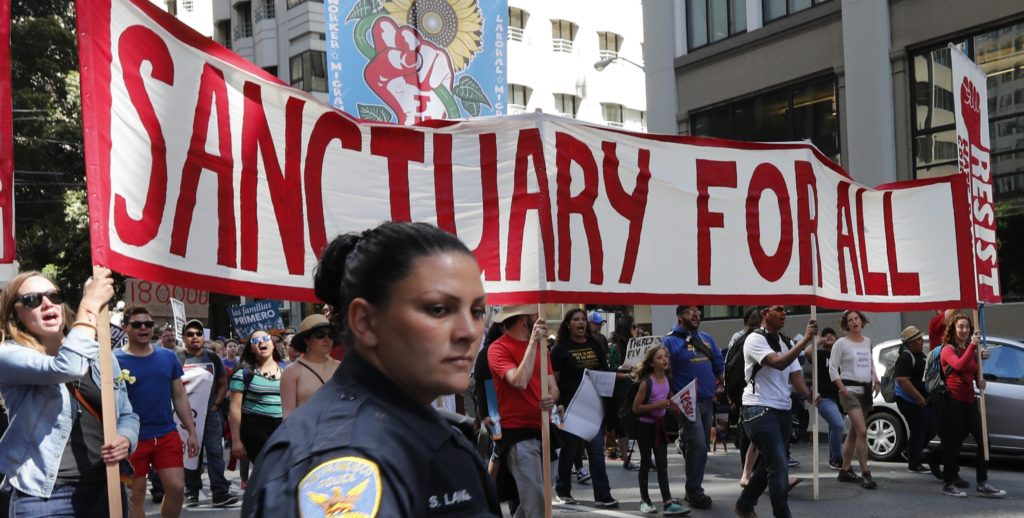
(1004, 399)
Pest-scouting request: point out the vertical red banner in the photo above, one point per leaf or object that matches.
(6, 138)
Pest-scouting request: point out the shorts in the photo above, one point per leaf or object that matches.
(161, 452)
(853, 401)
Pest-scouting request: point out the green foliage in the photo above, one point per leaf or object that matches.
(364, 8)
(468, 90)
(374, 112)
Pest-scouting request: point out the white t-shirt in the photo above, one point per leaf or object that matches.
(771, 386)
(851, 361)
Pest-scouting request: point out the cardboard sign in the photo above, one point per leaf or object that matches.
(637, 348)
(178, 309)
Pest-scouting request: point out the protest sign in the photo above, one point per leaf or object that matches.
(157, 298)
(637, 347)
(242, 193)
(258, 316)
(584, 417)
(973, 150)
(198, 382)
(178, 309)
(6, 139)
(686, 400)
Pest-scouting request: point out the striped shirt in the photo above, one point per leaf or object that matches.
(262, 398)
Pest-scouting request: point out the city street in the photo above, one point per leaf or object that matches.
(899, 493)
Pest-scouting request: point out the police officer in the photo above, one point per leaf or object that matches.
(409, 299)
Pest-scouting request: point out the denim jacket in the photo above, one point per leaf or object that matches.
(42, 410)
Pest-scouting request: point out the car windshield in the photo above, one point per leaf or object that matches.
(1005, 364)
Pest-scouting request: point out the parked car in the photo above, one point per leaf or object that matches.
(1004, 399)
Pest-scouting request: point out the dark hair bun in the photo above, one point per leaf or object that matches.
(330, 271)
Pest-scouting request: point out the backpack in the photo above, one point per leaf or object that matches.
(889, 378)
(735, 380)
(934, 376)
(629, 421)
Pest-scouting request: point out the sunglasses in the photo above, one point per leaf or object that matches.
(34, 300)
(192, 334)
(259, 339)
(320, 335)
(148, 324)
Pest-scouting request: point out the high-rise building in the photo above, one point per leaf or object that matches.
(867, 81)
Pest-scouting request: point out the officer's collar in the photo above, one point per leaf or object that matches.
(356, 368)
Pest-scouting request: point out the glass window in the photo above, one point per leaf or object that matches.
(775, 9)
(709, 21)
(608, 44)
(612, 114)
(563, 32)
(308, 71)
(519, 97)
(803, 111)
(1000, 53)
(293, 3)
(567, 104)
(517, 19)
(1006, 364)
(243, 20)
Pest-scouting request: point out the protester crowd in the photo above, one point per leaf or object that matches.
(280, 403)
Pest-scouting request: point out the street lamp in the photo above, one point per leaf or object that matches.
(600, 65)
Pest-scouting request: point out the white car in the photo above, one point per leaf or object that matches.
(1004, 399)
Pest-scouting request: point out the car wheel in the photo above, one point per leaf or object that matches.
(886, 437)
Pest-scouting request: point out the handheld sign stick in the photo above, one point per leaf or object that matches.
(108, 406)
(545, 417)
(980, 325)
(814, 409)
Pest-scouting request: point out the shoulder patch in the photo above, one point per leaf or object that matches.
(346, 486)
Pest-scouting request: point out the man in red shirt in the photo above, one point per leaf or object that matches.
(515, 364)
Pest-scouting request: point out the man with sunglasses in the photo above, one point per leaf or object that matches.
(156, 389)
(213, 432)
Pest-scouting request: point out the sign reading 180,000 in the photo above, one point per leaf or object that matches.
(157, 298)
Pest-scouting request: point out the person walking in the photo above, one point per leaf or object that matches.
(829, 407)
(772, 373)
(695, 356)
(304, 376)
(961, 417)
(410, 303)
(53, 453)
(255, 397)
(912, 396)
(852, 370)
(651, 403)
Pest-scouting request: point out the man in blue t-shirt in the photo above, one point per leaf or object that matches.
(156, 387)
(694, 355)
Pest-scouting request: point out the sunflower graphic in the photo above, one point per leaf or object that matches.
(454, 25)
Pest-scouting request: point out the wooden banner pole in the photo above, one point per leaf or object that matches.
(545, 415)
(981, 399)
(109, 408)
(814, 409)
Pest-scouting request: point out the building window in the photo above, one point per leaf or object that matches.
(563, 33)
(187, 5)
(294, 3)
(608, 44)
(567, 105)
(999, 53)
(517, 19)
(308, 71)
(775, 9)
(265, 10)
(222, 33)
(802, 111)
(612, 114)
(708, 21)
(172, 7)
(243, 20)
(518, 98)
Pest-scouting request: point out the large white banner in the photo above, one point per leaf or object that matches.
(206, 172)
(198, 382)
(973, 151)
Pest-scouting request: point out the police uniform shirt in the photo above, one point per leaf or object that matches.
(363, 446)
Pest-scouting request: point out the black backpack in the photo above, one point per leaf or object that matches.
(629, 421)
(889, 378)
(735, 377)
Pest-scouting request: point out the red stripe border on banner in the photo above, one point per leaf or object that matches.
(6, 136)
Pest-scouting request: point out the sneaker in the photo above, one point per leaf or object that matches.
(699, 501)
(835, 465)
(608, 503)
(867, 482)
(951, 490)
(961, 483)
(225, 501)
(847, 475)
(191, 500)
(629, 466)
(647, 508)
(743, 514)
(565, 499)
(986, 490)
(583, 475)
(793, 462)
(918, 469)
(674, 509)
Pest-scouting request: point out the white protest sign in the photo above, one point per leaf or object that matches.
(584, 417)
(686, 400)
(604, 382)
(198, 382)
(178, 309)
(637, 347)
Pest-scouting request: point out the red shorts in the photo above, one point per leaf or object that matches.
(162, 452)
